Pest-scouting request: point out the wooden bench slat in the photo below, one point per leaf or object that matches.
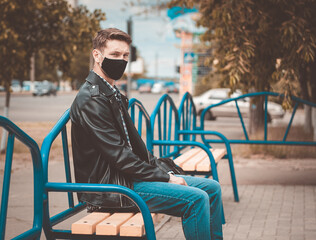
(87, 224)
(134, 227)
(125, 224)
(219, 153)
(186, 156)
(190, 165)
(205, 165)
(111, 225)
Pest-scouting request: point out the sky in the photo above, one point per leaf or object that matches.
(152, 35)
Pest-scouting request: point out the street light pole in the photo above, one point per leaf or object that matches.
(156, 66)
(129, 69)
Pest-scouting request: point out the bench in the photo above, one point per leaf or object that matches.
(14, 132)
(86, 228)
(189, 129)
(197, 160)
(92, 226)
(129, 224)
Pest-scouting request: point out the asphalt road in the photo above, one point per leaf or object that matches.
(26, 108)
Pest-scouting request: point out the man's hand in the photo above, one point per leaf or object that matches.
(177, 180)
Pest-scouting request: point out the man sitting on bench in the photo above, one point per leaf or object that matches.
(108, 149)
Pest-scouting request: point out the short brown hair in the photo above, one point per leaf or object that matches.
(100, 39)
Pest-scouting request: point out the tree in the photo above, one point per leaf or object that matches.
(50, 26)
(79, 68)
(248, 37)
(298, 45)
(44, 71)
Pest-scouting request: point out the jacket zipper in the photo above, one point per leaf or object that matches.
(148, 157)
(121, 201)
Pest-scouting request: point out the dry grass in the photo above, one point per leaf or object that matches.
(37, 131)
(279, 151)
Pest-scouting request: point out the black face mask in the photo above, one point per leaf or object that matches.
(113, 68)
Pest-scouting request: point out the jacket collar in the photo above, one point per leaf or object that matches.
(94, 79)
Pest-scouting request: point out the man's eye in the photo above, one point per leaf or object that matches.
(115, 54)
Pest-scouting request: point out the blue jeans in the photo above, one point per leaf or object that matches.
(199, 205)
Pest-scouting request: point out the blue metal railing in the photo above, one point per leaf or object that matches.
(134, 105)
(16, 132)
(171, 125)
(165, 121)
(265, 140)
(167, 125)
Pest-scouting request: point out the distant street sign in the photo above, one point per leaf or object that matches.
(188, 57)
(175, 12)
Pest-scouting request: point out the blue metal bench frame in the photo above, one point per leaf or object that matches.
(265, 140)
(166, 112)
(168, 127)
(139, 114)
(15, 132)
(168, 142)
(70, 187)
(189, 130)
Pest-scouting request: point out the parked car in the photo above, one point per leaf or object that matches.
(16, 87)
(158, 87)
(44, 88)
(229, 109)
(26, 86)
(173, 88)
(145, 88)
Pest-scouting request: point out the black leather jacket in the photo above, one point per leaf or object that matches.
(99, 144)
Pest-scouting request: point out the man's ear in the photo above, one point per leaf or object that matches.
(96, 56)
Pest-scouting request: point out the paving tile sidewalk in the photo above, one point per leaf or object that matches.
(277, 200)
(277, 212)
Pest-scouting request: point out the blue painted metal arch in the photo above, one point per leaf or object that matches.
(15, 132)
(265, 140)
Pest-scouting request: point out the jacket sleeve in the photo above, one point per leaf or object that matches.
(99, 121)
